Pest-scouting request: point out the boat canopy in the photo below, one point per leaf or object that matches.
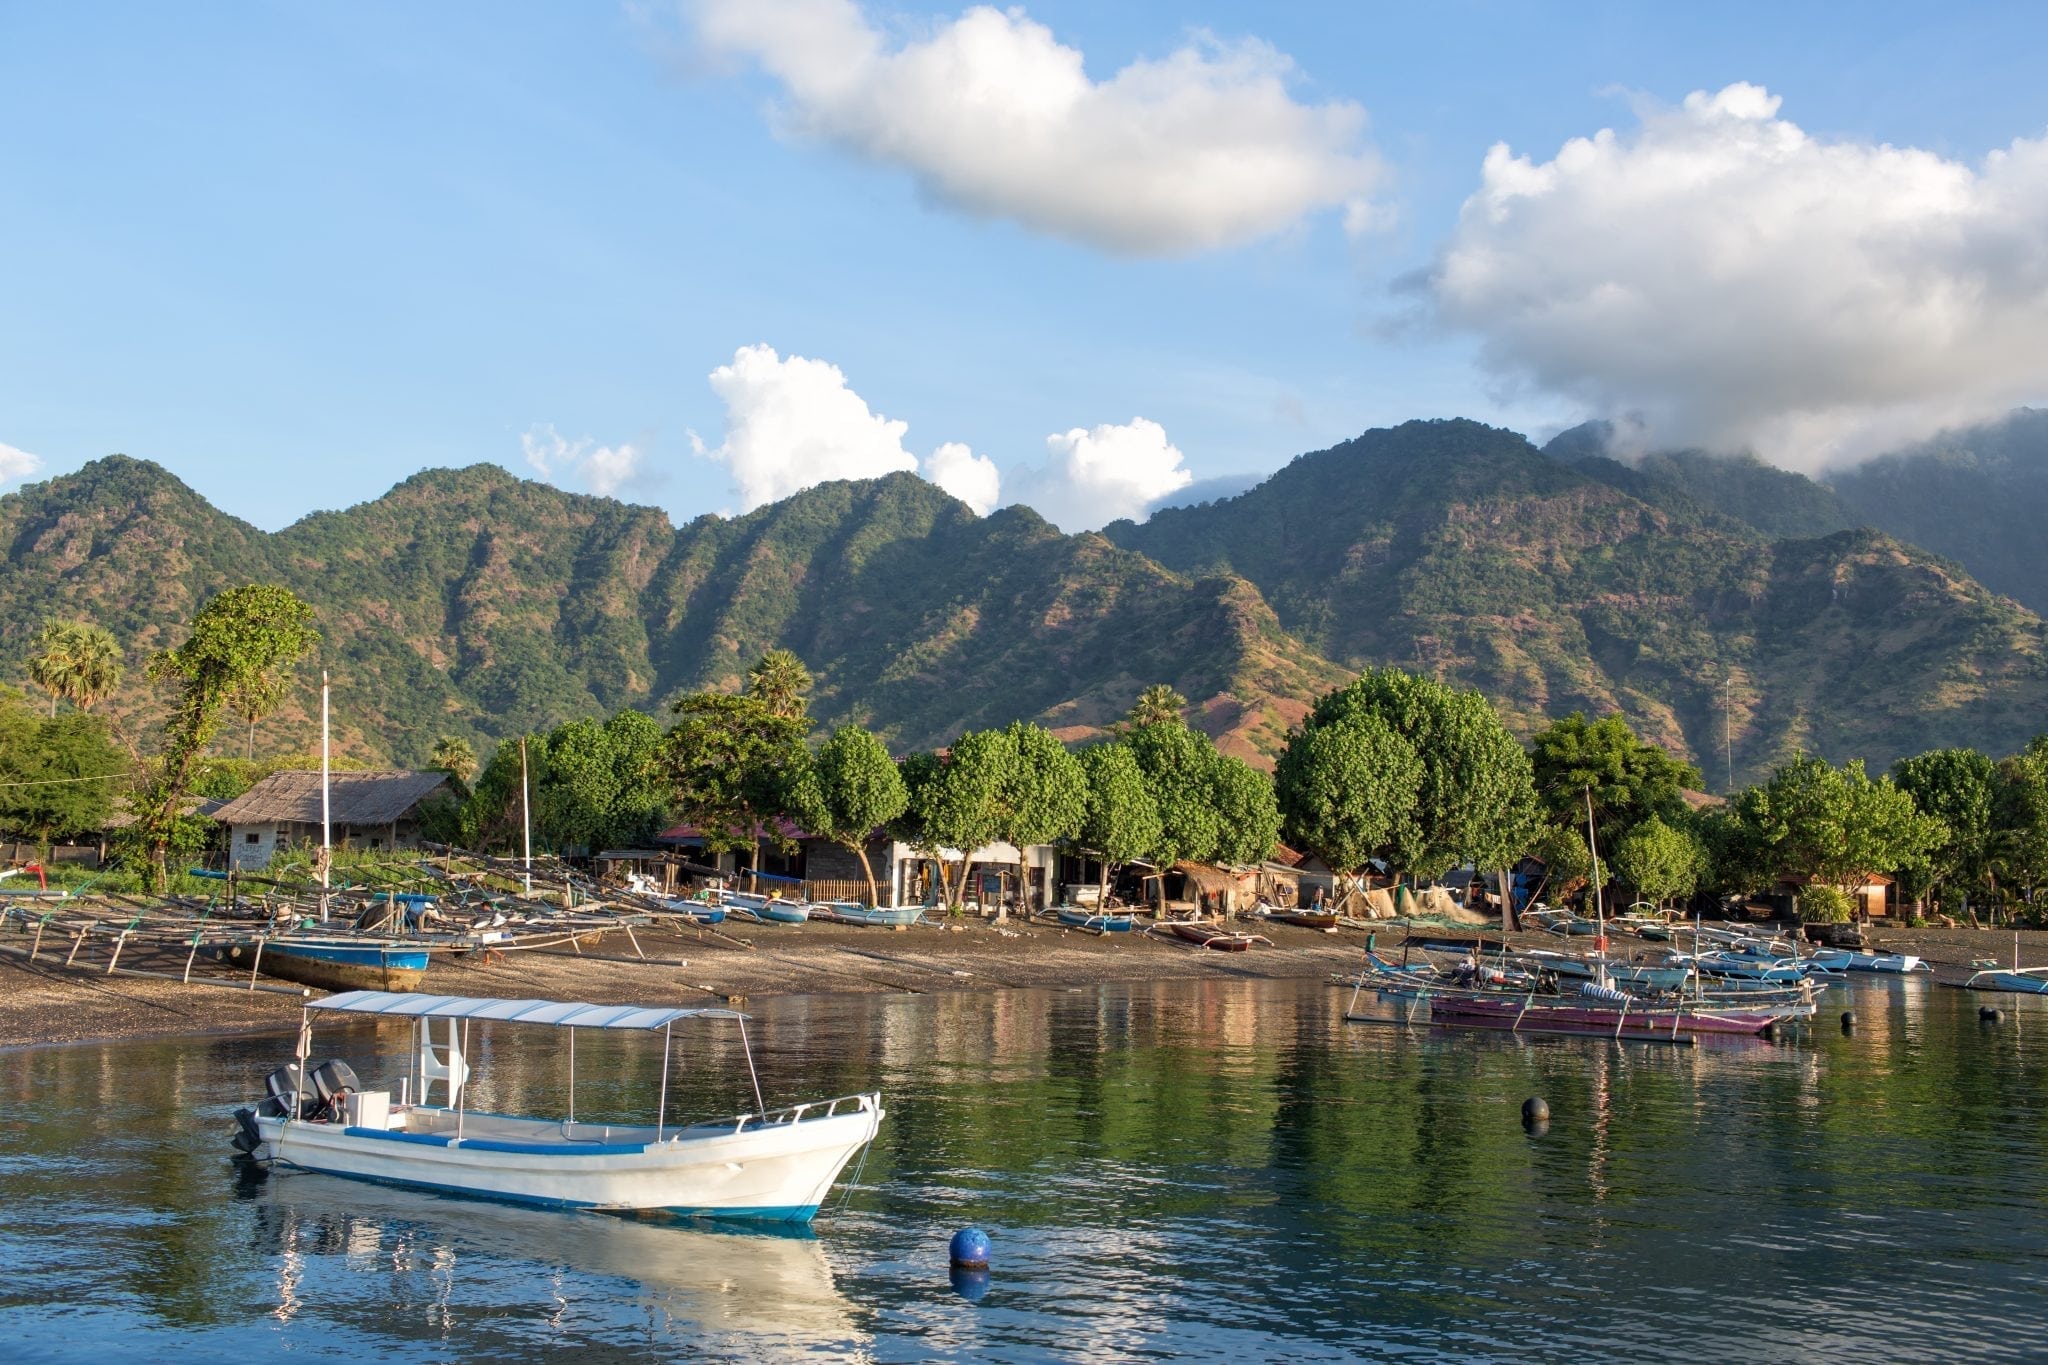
(557, 1013)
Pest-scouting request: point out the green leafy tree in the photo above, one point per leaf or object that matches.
(1628, 779)
(2018, 849)
(1734, 860)
(1348, 789)
(1824, 904)
(1122, 819)
(1179, 765)
(846, 791)
(1476, 800)
(729, 761)
(1956, 786)
(1567, 862)
(954, 801)
(1836, 825)
(58, 775)
(1044, 797)
(454, 756)
(1660, 861)
(604, 783)
(241, 642)
(780, 682)
(1247, 811)
(76, 662)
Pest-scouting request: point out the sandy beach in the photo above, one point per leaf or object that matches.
(44, 1003)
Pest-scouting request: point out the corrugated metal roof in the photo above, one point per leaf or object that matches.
(555, 1013)
(353, 798)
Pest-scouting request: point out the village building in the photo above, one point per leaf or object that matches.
(374, 811)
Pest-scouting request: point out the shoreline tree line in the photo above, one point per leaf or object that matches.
(1394, 772)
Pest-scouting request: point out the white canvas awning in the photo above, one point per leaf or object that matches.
(555, 1013)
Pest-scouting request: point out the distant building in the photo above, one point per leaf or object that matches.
(365, 811)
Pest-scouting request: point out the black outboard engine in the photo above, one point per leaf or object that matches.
(331, 1080)
(285, 1085)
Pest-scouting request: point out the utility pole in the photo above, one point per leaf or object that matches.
(525, 815)
(1728, 726)
(326, 825)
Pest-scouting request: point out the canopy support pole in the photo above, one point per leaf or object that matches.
(661, 1114)
(760, 1105)
(461, 1091)
(572, 1076)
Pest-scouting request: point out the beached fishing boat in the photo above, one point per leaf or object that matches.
(1852, 960)
(773, 1166)
(1078, 917)
(781, 912)
(1209, 936)
(336, 963)
(1307, 919)
(853, 912)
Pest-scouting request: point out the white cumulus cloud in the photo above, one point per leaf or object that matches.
(17, 464)
(1203, 148)
(972, 478)
(1735, 282)
(791, 423)
(1093, 476)
(604, 470)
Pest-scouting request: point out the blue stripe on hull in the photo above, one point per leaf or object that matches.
(791, 1213)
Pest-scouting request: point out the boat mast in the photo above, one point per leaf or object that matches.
(1599, 907)
(525, 815)
(326, 810)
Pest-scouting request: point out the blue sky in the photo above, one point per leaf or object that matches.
(296, 252)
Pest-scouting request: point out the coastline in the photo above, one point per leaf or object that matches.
(43, 1004)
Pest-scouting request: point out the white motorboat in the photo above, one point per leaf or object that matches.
(773, 1166)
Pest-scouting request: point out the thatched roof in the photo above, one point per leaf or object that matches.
(353, 798)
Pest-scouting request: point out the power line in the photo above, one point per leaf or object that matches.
(61, 781)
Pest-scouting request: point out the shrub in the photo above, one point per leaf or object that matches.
(1819, 904)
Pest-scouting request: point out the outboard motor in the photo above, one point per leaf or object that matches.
(332, 1081)
(247, 1136)
(284, 1084)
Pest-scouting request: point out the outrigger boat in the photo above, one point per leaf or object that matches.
(853, 912)
(1209, 936)
(335, 963)
(1080, 917)
(771, 1166)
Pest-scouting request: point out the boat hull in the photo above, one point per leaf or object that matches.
(1221, 940)
(2019, 983)
(337, 967)
(1106, 924)
(882, 916)
(778, 1172)
(1648, 1022)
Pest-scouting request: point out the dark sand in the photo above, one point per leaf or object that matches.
(45, 1003)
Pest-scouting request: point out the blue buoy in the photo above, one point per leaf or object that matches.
(969, 1284)
(969, 1249)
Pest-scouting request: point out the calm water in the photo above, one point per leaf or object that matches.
(1208, 1170)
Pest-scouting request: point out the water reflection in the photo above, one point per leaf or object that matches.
(1195, 1169)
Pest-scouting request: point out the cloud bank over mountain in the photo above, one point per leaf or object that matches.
(1718, 277)
(604, 470)
(16, 464)
(989, 113)
(794, 422)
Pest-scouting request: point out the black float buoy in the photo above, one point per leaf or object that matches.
(1771, 1032)
(1848, 1020)
(1535, 1112)
(1991, 1014)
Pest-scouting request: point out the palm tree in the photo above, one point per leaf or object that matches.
(257, 700)
(1156, 705)
(453, 756)
(77, 662)
(779, 681)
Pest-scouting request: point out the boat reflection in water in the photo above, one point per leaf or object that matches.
(754, 1294)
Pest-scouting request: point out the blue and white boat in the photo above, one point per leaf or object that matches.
(1848, 960)
(2030, 981)
(335, 963)
(772, 1166)
(853, 912)
(1079, 917)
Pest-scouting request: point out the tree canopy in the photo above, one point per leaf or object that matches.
(846, 791)
(1956, 786)
(1475, 800)
(58, 774)
(1660, 861)
(77, 662)
(1122, 820)
(242, 642)
(1348, 789)
(1628, 779)
(1836, 825)
(780, 682)
(729, 761)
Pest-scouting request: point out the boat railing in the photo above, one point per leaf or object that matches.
(797, 1113)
